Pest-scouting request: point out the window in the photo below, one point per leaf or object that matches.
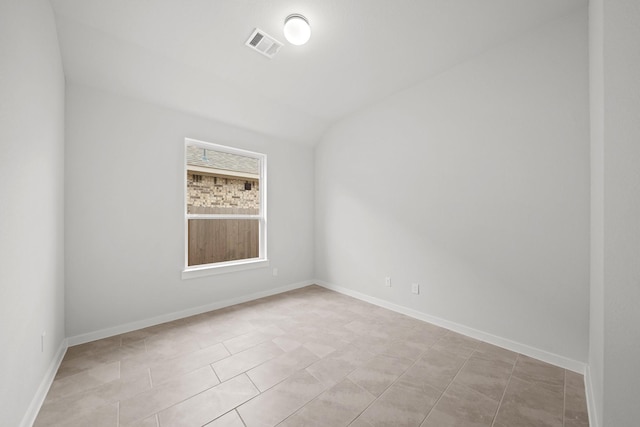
(225, 209)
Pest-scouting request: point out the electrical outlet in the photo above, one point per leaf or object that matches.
(387, 282)
(275, 271)
(415, 288)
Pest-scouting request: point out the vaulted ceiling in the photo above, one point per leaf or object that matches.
(190, 54)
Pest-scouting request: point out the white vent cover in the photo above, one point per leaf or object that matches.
(263, 43)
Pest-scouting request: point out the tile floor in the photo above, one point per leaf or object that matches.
(310, 357)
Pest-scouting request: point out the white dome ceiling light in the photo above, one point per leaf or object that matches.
(296, 29)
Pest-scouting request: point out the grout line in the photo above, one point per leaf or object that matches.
(254, 384)
(374, 399)
(495, 417)
(163, 408)
(215, 373)
(240, 416)
(394, 381)
(225, 347)
(448, 385)
(118, 414)
(302, 407)
(150, 379)
(157, 417)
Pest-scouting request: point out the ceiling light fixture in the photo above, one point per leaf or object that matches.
(296, 29)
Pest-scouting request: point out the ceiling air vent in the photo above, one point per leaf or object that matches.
(263, 43)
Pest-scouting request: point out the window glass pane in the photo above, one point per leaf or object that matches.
(219, 240)
(222, 183)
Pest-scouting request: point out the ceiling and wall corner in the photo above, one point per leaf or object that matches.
(190, 56)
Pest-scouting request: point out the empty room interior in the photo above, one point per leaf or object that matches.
(319, 213)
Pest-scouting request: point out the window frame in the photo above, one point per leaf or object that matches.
(236, 265)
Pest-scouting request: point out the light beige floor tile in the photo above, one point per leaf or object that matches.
(320, 350)
(332, 338)
(62, 411)
(576, 423)
(379, 373)
(399, 406)
(167, 369)
(135, 367)
(85, 402)
(457, 344)
(374, 345)
(215, 337)
(286, 343)
(85, 380)
(198, 324)
(360, 327)
(251, 339)
(124, 388)
(575, 404)
(530, 405)
(151, 421)
(96, 358)
(230, 419)
(279, 368)
(335, 367)
(486, 376)
(350, 337)
(492, 352)
(423, 338)
(573, 379)
(337, 406)
(434, 369)
(104, 416)
(538, 372)
(167, 346)
(462, 407)
(245, 360)
(277, 403)
(93, 347)
(136, 336)
(330, 371)
(430, 329)
(210, 404)
(404, 349)
(233, 325)
(167, 394)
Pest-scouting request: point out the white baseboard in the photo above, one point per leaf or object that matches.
(38, 399)
(591, 401)
(128, 327)
(545, 356)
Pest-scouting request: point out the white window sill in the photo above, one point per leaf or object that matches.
(224, 267)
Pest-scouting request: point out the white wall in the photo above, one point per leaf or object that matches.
(476, 185)
(31, 202)
(615, 334)
(124, 212)
(595, 374)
